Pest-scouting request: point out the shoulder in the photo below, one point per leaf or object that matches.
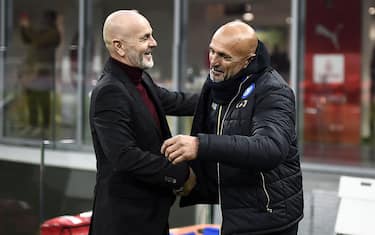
(108, 85)
(110, 95)
(272, 81)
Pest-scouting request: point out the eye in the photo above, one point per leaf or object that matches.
(227, 57)
(221, 55)
(145, 37)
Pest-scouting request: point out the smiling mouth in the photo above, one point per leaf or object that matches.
(216, 71)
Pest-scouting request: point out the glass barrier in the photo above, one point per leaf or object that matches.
(39, 71)
(66, 179)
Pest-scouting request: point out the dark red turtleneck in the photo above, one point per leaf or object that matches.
(135, 74)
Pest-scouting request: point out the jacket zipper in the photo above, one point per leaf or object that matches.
(220, 127)
(266, 193)
(218, 132)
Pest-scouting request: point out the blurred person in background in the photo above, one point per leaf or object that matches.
(280, 62)
(38, 70)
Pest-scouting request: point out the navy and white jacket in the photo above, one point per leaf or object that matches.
(248, 159)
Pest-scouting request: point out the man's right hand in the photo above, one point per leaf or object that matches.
(180, 148)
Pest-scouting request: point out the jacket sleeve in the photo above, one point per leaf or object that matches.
(112, 123)
(270, 139)
(177, 103)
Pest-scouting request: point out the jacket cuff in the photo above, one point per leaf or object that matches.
(181, 178)
(203, 146)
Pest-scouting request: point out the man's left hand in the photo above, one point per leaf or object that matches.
(180, 148)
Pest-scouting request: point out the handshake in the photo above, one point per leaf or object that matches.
(178, 149)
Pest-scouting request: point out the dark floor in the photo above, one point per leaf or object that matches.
(64, 192)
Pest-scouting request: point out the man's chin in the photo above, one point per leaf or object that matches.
(217, 78)
(148, 65)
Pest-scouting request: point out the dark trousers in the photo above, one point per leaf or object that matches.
(289, 231)
(39, 103)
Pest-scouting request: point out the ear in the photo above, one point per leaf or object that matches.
(250, 59)
(247, 62)
(118, 46)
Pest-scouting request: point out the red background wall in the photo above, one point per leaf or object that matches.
(336, 118)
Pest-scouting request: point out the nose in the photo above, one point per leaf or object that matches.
(214, 59)
(153, 42)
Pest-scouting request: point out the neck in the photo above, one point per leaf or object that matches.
(134, 73)
(224, 91)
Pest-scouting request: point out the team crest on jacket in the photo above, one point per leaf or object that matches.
(241, 104)
(248, 91)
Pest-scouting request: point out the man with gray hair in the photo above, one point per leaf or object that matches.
(135, 184)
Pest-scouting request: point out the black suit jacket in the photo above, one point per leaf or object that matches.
(133, 192)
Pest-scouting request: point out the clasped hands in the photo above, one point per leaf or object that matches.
(182, 148)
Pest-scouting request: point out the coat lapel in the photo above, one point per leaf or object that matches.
(158, 105)
(137, 96)
(146, 113)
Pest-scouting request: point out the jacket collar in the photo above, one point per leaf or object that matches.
(261, 60)
(114, 67)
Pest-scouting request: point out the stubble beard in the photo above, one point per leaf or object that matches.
(146, 64)
(139, 61)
